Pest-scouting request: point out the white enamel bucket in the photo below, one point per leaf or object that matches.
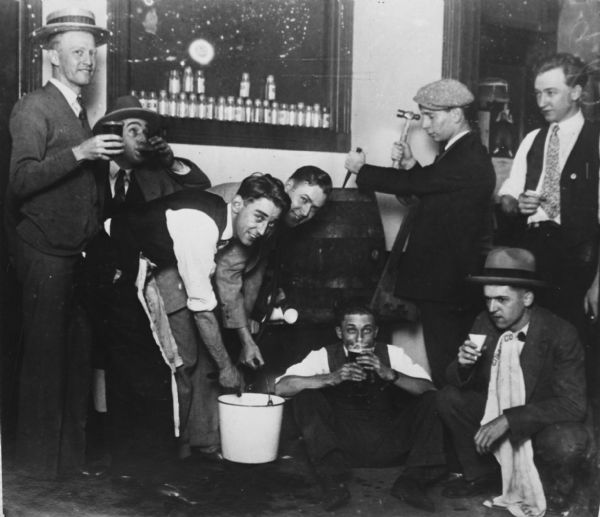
(250, 427)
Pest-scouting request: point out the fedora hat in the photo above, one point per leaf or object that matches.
(129, 106)
(509, 266)
(70, 19)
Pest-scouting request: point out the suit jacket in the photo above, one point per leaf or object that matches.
(552, 361)
(55, 196)
(447, 236)
(240, 271)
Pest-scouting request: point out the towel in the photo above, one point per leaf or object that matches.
(152, 302)
(522, 491)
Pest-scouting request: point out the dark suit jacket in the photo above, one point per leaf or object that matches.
(447, 236)
(553, 371)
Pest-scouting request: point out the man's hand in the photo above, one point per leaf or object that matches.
(99, 147)
(402, 153)
(490, 433)
(509, 205)
(372, 362)
(163, 151)
(468, 353)
(354, 161)
(253, 326)
(529, 202)
(349, 372)
(230, 377)
(251, 357)
(590, 301)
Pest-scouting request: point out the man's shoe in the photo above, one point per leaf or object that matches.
(212, 457)
(463, 488)
(412, 492)
(335, 495)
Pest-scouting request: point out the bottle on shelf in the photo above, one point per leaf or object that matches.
(192, 106)
(245, 86)
(220, 109)
(142, 98)
(188, 79)
(284, 115)
(133, 93)
(182, 105)
(316, 116)
(210, 108)
(173, 105)
(258, 112)
(248, 110)
(200, 84)
(293, 114)
(270, 88)
(238, 112)
(274, 113)
(201, 112)
(152, 102)
(308, 116)
(325, 118)
(174, 82)
(230, 108)
(300, 115)
(266, 111)
(163, 103)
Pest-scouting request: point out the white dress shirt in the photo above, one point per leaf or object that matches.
(514, 185)
(195, 242)
(69, 94)
(317, 363)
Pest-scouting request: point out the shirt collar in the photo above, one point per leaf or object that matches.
(113, 170)
(68, 94)
(228, 232)
(571, 124)
(455, 138)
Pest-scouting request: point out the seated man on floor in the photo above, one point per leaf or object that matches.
(521, 397)
(362, 403)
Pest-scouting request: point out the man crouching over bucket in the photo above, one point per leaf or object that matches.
(365, 404)
(171, 242)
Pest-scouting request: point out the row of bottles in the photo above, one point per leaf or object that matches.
(189, 82)
(231, 109)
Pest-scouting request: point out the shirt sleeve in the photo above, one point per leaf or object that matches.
(514, 185)
(315, 363)
(402, 363)
(195, 236)
(179, 168)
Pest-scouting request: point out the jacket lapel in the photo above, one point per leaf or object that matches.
(533, 353)
(461, 140)
(149, 183)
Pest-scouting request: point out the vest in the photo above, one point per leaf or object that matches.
(143, 228)
(578, 184)
(378, 396)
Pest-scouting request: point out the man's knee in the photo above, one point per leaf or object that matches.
(449, 400)
(562, 444)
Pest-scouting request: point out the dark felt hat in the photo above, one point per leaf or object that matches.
(70, 19)
(509, 266)
(129, 106)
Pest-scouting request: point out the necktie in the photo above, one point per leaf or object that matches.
(120, 187)
(551, 185)
(82, 113)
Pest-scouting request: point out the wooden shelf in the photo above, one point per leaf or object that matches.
(237, 134)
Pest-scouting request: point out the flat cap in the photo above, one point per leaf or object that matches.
(444, 94)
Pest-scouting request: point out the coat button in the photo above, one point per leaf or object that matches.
(573, 176)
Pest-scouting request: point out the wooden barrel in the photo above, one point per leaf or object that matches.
(337, 256)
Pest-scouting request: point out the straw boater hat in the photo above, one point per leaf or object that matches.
(129, 106)
(69, 19)
(509, 266)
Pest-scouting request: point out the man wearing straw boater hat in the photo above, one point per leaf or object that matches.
(52, 183)
(517, 391)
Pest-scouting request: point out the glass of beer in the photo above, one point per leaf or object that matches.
(357, 351)
(112, 127)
